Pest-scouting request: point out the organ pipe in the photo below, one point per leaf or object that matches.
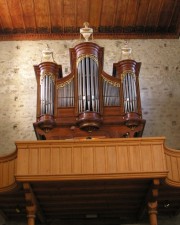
(129, 93)
(111, 92)
(66, 94)
(47, 94)
(88, 87)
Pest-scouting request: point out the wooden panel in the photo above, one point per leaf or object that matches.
(153, 13)
(131, 13)
(16, 14)
(88, 160)
(55, 161)
(134, 158)
(167, 9)
(23, 158)
(146, 157)
(122, 160)
(175, 19)
(99, 159)
(33, 161)
(173, 166)
(7, 172)
(82, 12)
(111, 153)
(121, 13)
(158, 157)
(76, 159)
(110, 18)
(66, 161)
(95, 13)
(69, 13)
(44, 160)
(108, 13)
(56, 11)
(5, 15)
(28, 15)
(175, 169)
(142, 13)
(42, 15)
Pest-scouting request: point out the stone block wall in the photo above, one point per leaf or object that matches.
(159, 84)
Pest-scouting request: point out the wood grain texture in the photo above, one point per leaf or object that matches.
(114, 18)
(82, 159)
(173, 165)
(7, 172)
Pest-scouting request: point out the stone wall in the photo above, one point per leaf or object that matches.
(159, 83)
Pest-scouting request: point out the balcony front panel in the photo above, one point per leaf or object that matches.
(91, 159)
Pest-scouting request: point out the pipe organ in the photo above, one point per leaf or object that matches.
(88, 103)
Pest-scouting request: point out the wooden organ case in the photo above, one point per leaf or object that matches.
(88, 103)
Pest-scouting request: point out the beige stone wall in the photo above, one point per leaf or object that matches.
(159, 82)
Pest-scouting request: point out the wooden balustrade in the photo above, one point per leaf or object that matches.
(91, 159)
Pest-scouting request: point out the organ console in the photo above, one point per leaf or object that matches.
(88, 103)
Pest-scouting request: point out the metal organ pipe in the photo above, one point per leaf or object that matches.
(47, 95)
(129, 92)
(88, 96)
(66, 94)
(111, 93)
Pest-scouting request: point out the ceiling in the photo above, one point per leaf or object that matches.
(62, 19)
(88, 202)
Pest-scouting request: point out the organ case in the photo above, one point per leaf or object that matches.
(88, 103)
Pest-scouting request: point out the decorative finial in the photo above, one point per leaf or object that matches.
(86, 31)
(126, 51)
(47, 55)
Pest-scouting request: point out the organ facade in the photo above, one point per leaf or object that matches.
(88, 103)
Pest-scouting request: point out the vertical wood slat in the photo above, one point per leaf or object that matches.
(16, 14)
(95, 13)
(131, 13)
(154, 7)
(55, 161)
(33, 161)
(167, 8)
(42, 14)
(28, 14)
(88, 160)
(108, 12)
(142, 13)
(121, 13)
(56, 9)
(82, 12)
(69, 9)
(5, 16)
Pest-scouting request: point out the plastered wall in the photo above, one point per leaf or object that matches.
(159, 84)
